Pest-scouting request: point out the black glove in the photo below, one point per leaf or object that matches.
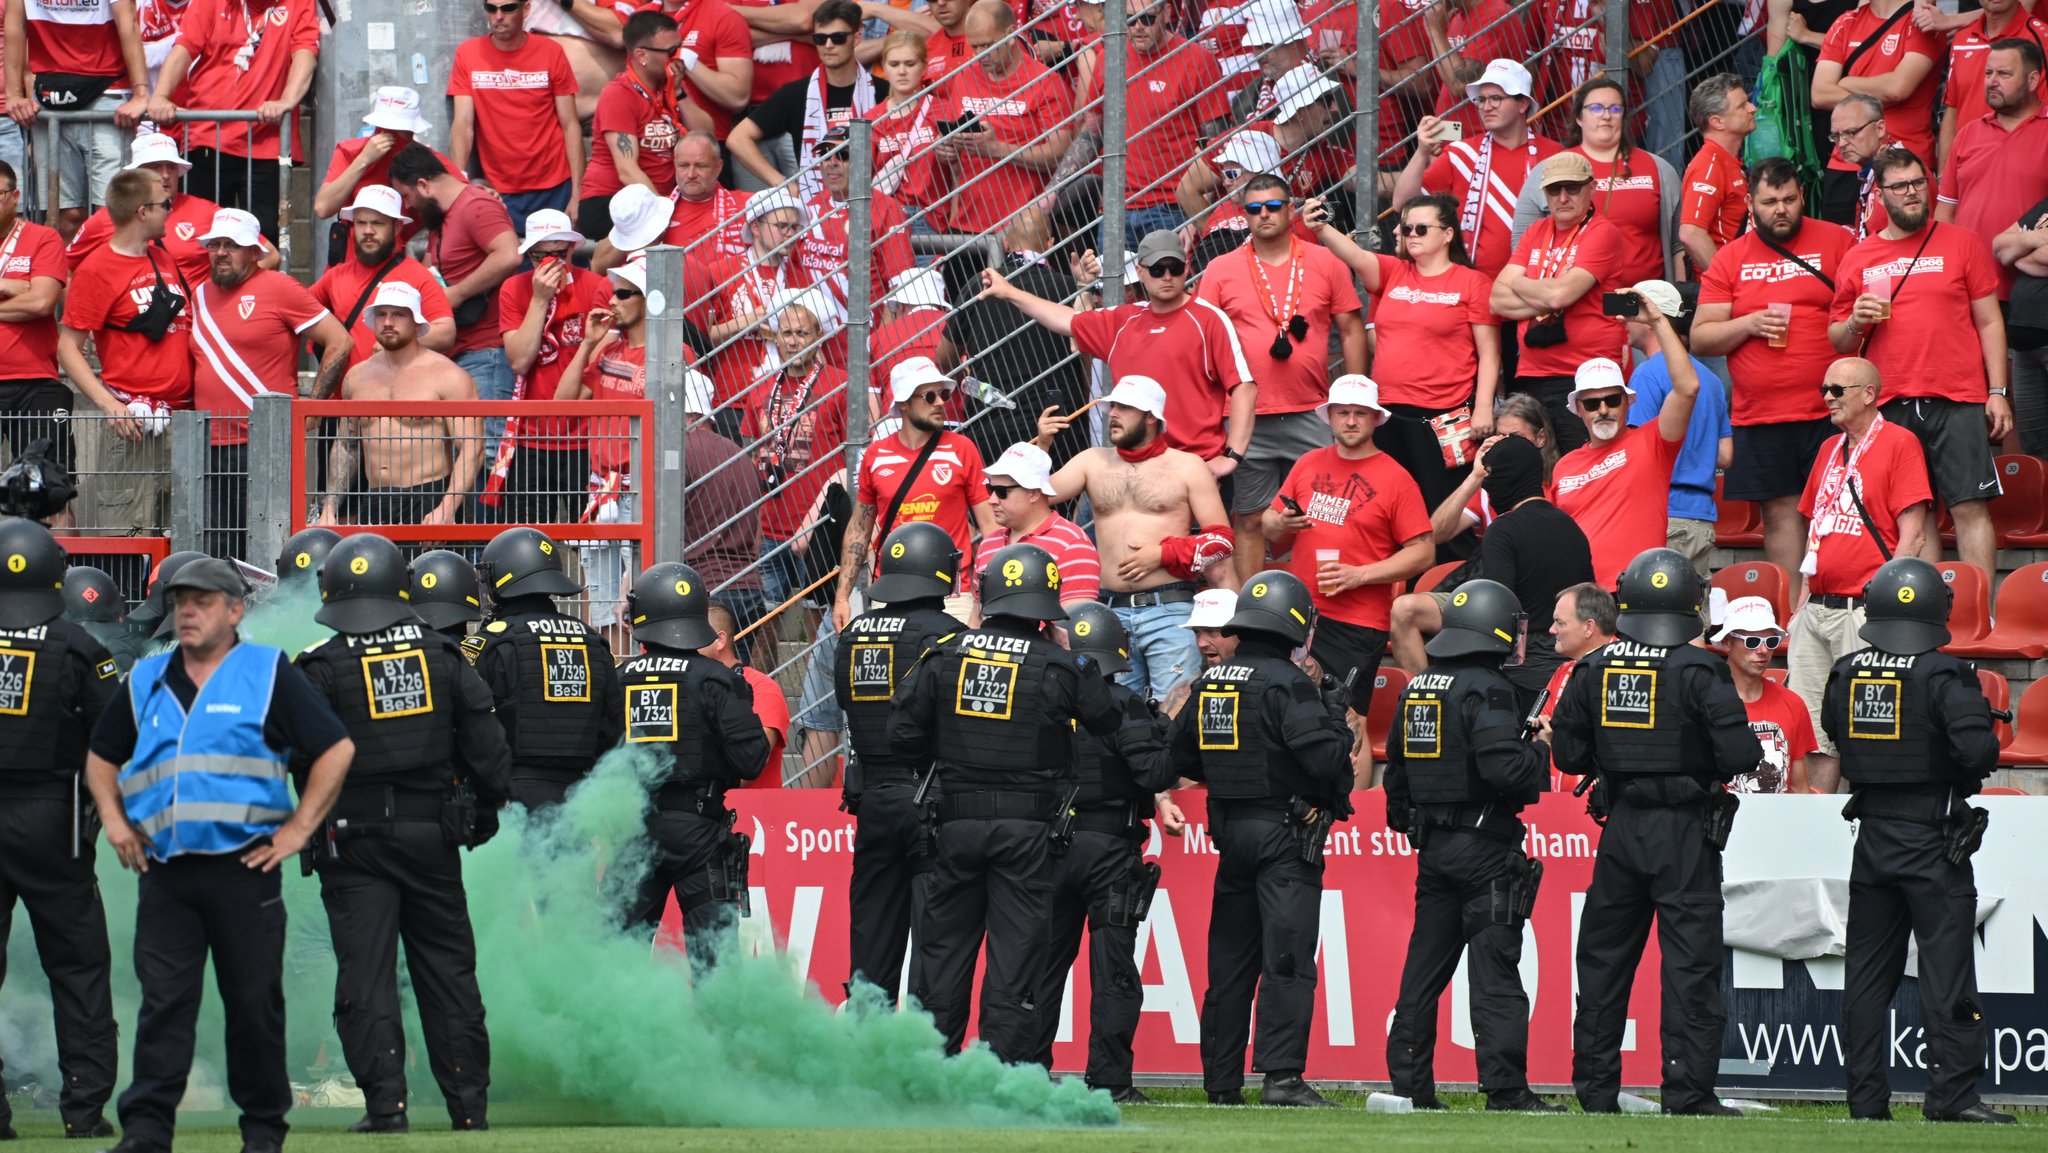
(486, 825)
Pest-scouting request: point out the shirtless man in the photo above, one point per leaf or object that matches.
(1159, 524)
(405, 482)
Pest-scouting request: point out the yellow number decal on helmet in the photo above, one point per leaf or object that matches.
(359, 565)
(429, 580)
(1905, 594)
(1461, 598)
(1013, 572)
(896, 551)
(682, 588)
(1659, 579)
(1259, 590)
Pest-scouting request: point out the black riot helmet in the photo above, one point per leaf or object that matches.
(522, 562)
(31, 575)
(153, 610)
(1275, 602)
(670, 606)
(363, 586)
(1093, 628)
(919, 560)
(1905, 608)
(1022, 581)
(91, 596)
(1659, 595)
(304, 552)
(1482, 617)
(444, 590)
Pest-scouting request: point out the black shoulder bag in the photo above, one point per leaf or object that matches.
(370, 287)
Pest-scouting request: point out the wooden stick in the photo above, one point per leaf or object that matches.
(794, 598)
(1074, 415)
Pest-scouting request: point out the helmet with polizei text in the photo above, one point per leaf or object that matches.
(91, 595)
(1095, 629)
(445, 592)
(32, 575)
(364, 586)
(670, 606)
(1659, 595)
(1275, 602)
(1022, 580)
(919, 560)
(305, 551)
(155, 608)
(1905, 608)
(523, 562)
(1483, 616)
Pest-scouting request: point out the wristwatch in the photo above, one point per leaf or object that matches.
(1234, 455)
(1996, 391)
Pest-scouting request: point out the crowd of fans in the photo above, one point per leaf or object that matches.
(1597, 300)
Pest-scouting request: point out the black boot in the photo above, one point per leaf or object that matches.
(1129, 1095)
(1980, 1114)
(1294, 1092)
(97, 1127)
(1526, 1102)
(1226, 1096)
(382, 1123)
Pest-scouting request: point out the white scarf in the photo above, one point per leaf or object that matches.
(814, 124)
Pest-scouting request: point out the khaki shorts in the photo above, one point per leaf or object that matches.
(1691, 539)
(1820, 636)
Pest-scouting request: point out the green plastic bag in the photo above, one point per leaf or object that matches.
(1784, 117)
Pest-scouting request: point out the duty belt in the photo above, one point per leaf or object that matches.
(1114, 820)
(556, 771)
(1495, 821)
(35, 788)
(369, 802)
(1658, 791)
(1899, 805)
(999, 806)
(703, 800)
(1272, 809)
(1179, 592)
(1834, 600)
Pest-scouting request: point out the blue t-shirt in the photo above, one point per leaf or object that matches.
(1692, 478)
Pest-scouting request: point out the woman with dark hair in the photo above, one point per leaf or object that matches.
(1438, 355)
(1638, 190)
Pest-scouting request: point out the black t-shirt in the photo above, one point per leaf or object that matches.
(1537, 552)
(782, 114)
(298, 722)
(2029, 305)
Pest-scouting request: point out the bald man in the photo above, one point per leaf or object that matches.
(1017, 110)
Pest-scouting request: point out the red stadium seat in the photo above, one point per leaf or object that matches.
(1379, 721)
(1999, 693)
(1741, 523)
(2030, 742)
(1757, 579)
(2004, 791)
(2020, 627)
(1430, 579)
(1969, 621)
(2018, 510)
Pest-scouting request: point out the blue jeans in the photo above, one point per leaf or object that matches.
(1665, 91)
(781, 571)
(524, 204)
(1139, 221)
(818, 706)
(14, 150)
(493, 376)
(1163, 652)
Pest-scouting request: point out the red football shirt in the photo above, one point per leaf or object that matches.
(1618, 492)
(944, 491)
(721, 216)
(1716, 193)
(1963, 90)
(619, 374)
(1891, 477)
(515, 109)
(1427, 355)
(715, 32)
(342, 285)
(905, 167)
(803, 421)
(1485, 30)
(1994, 176)
(560, 333)
(1193, 352)
(28, 348)
(1020, 109)
(1171, 94)
(1365, 509)
(650, 119)
(1910, 120)
(190, 218)
(1777, 385)
(944, 54)
(107, 291)
(1595, 245)
(246, 343)
(1628, 197)
(1313, 284)
(1506, 170)
(741, 288)
(1929, 346)
(216, 32)
(1402, 41)
(459, 249)
(1784, 728)
(76, 37)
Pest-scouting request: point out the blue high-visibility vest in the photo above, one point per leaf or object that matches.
(205, 781)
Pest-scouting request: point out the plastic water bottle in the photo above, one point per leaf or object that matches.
(1388, 1103)
(1630, 1103)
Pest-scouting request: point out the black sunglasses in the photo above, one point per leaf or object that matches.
(831, 37)
(1834, 390)
(502, 9)
(1753, 643)
(1002, 491)
(1148, 19)
(624, 293)
(1167, 267)
(934, 396)
(1260, 207)
(1418, 229)
(1596, 403)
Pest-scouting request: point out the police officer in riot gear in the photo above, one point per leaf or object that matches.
(892, 856)
(1916, 739)
(430, 773)
(55, 680)
(445, 592)
(1659, 721)
(698, 714)
(93, 602)
(1277, 757)
(304, 555)
(1458, 776)
(991, 712)
(552, 676)
(1103, 880)
(152, 616)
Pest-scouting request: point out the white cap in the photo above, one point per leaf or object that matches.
(1663, 295)
(398, 294)
(1025, 463)
(918, 288)
(1268, 23)
(1252, 151)
(633, 272)
(236, 225)
(1597, 375)
(639, 216)
(379, 198)
(1297, 90)
(1509, 76)
(397, 109)
(1213, 609)
(1353, 388)
(155, 148)
(1747, 615)
(821, 305)
(697, 393)
(910, 375)
(1142, 393)
(772, 200)
(549, 224)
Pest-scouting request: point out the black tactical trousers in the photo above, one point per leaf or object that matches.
(1454, 882)
(1901, 886)
(687, 847)
(890, 885)
(402, 882)
(1653, 860)
(994, 879)
(1082, 879)
(63, 904)
(1262, 940)
(538, 793)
